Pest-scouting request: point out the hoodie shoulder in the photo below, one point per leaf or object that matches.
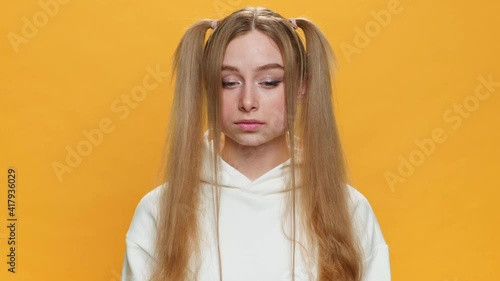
(144, 221)
(141, 238)
(375, 249)
(365, 222)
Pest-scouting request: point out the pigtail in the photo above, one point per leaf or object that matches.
(326, 197)
(177, 237)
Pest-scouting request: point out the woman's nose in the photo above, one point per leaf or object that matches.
(249, 99)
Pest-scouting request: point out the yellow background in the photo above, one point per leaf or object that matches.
(441, 220)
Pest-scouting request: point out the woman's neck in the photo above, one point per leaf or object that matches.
(255, 161)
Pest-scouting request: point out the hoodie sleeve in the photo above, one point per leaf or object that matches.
(376, 260)
(140, 239)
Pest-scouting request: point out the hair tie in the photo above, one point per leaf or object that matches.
(294, 23)
(213, 24)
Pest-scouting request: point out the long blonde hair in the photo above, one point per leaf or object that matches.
(322, 202)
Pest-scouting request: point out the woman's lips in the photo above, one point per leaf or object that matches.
(249, 125)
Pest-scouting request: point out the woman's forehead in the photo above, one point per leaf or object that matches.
(253, 49)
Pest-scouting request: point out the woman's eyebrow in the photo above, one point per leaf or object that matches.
(269, 66)
(230, 68)
(260, 68)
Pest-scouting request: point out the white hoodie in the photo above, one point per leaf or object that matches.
(253, 243)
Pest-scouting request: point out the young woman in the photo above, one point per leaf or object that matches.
(255, 185)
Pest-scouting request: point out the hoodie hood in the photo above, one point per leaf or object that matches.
(272, 182)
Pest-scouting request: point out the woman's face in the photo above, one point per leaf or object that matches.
(253, 96)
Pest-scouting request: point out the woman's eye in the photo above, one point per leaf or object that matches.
(270, 84)
(229, 84)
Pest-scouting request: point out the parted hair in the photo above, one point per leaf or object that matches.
(318, 191)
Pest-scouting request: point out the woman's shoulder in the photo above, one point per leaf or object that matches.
(146, 214)
(149, 202)
(359, 203)
(366, 224)
(141, 238)
(152, 197)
